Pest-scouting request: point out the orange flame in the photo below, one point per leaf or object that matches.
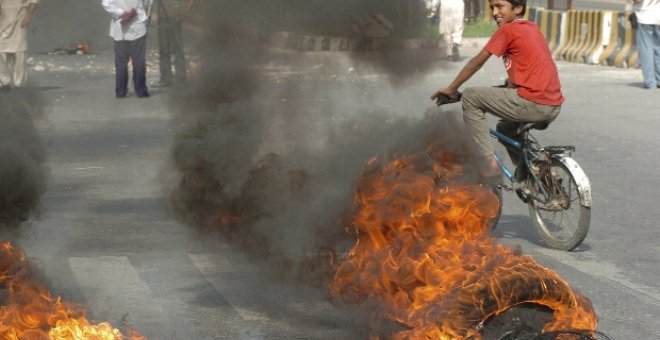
(425, 257)
(83, 48)
(28, 311)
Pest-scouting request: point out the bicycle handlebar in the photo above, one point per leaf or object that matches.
(444, 99)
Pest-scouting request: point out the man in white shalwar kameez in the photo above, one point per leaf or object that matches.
(15, 17)
(451, 18)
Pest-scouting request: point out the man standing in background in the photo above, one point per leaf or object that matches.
(15, 17)
(451, 16)
(648, 39)
(129, 30)
(171, 14)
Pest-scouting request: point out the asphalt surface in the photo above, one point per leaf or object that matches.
(613, 5)
(107, 240)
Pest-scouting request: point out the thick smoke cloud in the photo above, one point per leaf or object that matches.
(268, 156)
(22, 157)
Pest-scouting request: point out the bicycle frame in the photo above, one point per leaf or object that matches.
(574, 168)
(520, 147)
(500, 162)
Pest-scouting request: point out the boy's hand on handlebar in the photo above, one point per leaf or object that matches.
(453, 94)
(445, 96)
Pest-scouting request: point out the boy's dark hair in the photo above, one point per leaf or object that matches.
(522, 3)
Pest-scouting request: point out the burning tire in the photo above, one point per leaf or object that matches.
(492, 223)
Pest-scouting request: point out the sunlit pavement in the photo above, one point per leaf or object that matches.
(106, 240)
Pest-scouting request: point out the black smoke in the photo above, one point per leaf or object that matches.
(378, 29)
(269, 144)
(22, 157)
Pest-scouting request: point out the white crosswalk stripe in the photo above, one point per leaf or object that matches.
(191, 296)
(215, 268)
(113, 289)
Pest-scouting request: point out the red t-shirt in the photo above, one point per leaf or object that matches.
(528, 61)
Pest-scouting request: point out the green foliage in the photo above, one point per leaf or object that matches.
(479, 28)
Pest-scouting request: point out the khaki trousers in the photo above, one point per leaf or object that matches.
(504, 103)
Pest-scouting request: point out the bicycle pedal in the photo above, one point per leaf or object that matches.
(523, 194)
(505, 187)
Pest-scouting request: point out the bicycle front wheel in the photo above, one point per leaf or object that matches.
(558, 215)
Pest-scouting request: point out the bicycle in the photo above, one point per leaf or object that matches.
(552, 184)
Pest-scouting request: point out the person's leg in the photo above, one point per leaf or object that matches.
(138, 56)
(181, 74)
(164, 51)
(11, 65)
(446, 36)
(457, 34)
(5, 76)
(477, 101)
(646, 50)
(20, 71)
(504, 103)
(656, 53)
(121, 68)
(510, 129)
(5, 72)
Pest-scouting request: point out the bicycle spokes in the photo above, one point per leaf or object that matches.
(558, 197)
(555, 207)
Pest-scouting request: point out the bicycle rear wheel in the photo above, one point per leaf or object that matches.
(560, 218)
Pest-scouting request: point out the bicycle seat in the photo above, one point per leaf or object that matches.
(524, 127)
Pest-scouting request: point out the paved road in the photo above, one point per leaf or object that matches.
(106, 239)
(615, 5)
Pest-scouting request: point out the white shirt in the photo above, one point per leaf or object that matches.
(648, 12)
(134, 29)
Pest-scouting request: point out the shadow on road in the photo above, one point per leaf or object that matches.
(521, 227)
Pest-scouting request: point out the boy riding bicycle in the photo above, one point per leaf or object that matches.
(532, 92)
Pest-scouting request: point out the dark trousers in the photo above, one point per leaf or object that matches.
(135, 51)
(170, 44)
